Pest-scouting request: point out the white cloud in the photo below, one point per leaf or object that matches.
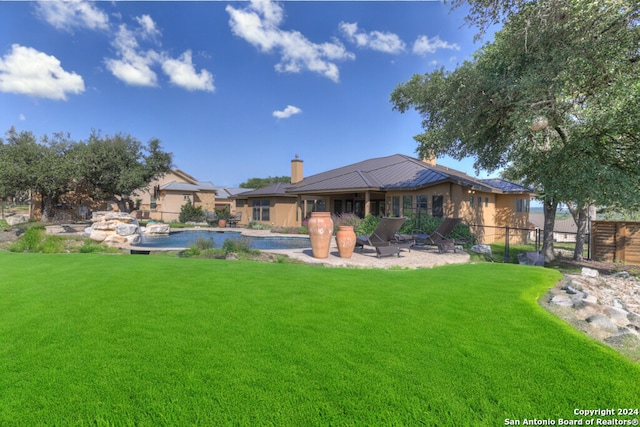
(287, 112)
(134, 66)
(30, 72)
(70, 14)
(22, 117)
(148, 27)
(424, 45)
(182, 73)
(375, 40)
(259, 24)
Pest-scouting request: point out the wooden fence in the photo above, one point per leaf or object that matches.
(615, 241)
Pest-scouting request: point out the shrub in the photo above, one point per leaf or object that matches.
(35, 239)
(29, 242)
(238, 246)
(257, 225)
(204, 244)
(367, 225)
(346, 219)
(191, 213)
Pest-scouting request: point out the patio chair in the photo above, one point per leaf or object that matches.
(235, 219)
(210, 217)
(439, 236)
(385, 238)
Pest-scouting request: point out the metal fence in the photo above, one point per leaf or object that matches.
(517, 238)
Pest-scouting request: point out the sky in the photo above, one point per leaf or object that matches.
(234, 90)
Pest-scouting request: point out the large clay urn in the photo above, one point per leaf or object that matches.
(346, 240)
(320, 228)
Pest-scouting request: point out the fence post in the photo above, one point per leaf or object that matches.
(506, 244)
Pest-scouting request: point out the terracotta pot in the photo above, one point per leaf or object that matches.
(346, 241)
(320, 228)
(222, 223)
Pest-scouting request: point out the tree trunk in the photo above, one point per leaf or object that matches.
(47, 208)
(550, 207)
(580, 214)
(125, 204)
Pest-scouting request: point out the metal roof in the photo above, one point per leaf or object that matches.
(277, 189)
(507, 186)
(395, 172)
(185, 186)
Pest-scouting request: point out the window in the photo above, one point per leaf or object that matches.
(486, 202)
(153, 203)
(261, 210)
(522, 205)
(407, 205)
(471, 201)
(395, 205)
(437, 204)
(422, 202)
(337, 207)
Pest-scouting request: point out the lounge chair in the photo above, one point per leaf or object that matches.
(439, 236)
(235, 219)
(385, 238)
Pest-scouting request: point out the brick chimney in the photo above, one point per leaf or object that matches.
(430, 160)
(296, 170)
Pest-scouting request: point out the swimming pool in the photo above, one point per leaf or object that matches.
(184, 239)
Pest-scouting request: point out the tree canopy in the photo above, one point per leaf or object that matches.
(553, 99)
(263, 182)
(105, 168)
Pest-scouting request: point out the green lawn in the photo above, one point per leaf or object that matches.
(89, 339)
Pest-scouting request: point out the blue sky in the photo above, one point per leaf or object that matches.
(233, 89)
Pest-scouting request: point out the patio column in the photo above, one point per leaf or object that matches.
(367, 203)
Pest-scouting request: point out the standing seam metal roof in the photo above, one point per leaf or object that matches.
(395, 172)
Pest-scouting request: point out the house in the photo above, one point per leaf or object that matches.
(564, 230)
(225, 197)
(164, 197)
(396, 185)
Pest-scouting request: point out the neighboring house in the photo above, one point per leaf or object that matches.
(564, 230)
(164, 197)
(396, 185)
(225, 197)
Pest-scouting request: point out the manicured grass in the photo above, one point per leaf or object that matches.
(134, 340)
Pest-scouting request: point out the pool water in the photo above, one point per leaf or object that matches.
(185, 239)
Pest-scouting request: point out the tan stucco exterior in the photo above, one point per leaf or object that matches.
(164, 197)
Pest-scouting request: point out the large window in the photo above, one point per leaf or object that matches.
(407, 205)
(437, 204)
(261, 210)
(395, 205)
(423, 203)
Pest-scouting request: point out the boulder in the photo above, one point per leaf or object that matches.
(157, 229)
(105, 225)
(126, 229)
(562, 300)
(17, 219)
(590, 272)
(481, 249)
(114, 228)
(602, 322)
(531, 258)
(98, 235)
(617, 315)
